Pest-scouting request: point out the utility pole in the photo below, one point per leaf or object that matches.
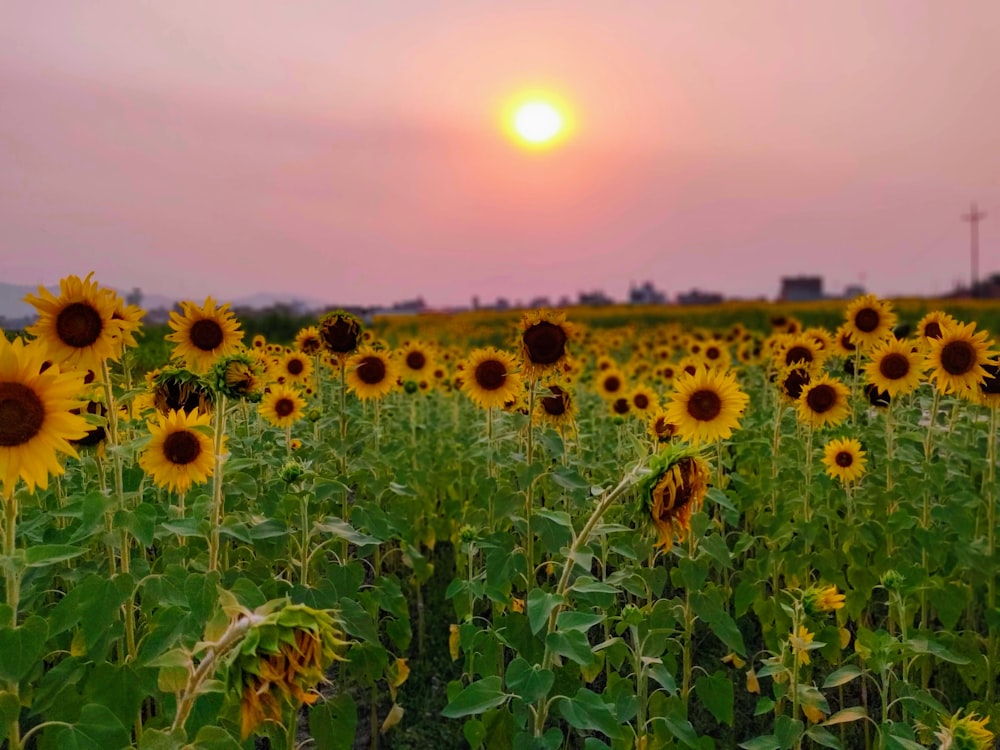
(974, 217)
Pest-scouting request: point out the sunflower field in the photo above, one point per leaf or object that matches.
(630, 528)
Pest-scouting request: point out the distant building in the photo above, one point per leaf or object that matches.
(853, 290)
(646, 294)
(596, 298)
(698, 297)
(801, 288)
(539, 302)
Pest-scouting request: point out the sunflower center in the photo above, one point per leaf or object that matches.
(295, 366)
(416, 360)
(894, 366)
(371, 371)
(845, 341)
(821, 399)
(206, 334)
(555, 405)
(491, 374)
(545, 343)
(309, 345)
(641, 401)
(79, 325)
(991, 384)
(844, 459)
(621, 406)
(283, 407)
(690, 369)
(958, 357)
(795, 382)
(612, 384)
(798, 354)
(22, 414)
(712, 353)
(932, 330)
(704, 405)
(181, 447)
(867, 320)
(340, 335)
(663, 428)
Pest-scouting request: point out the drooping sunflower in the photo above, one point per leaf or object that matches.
(659, 428)
(543, 341)
(932, 325)
(556, 408)
(237, 376)
(895, 367)
(675, 488)
(295, 367)
(341, 333)
(611, 383)
(824, 402)
(870, 320)
(706, 406)
(175, 388)
(490, 377)
(36, 415)
(308, 341)
(964, 732)
(179, 452)
(282, 405)
(203, 334)
(956, 359)
(371, 374)
(78, 327)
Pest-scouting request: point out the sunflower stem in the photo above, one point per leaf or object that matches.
(529, 494)
(12, 585)
(991, 526)
(304, 543)
(218, 508)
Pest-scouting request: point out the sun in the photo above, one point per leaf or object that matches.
(537, 121)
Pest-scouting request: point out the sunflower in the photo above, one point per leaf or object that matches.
(96, 435)
(792, 381)
(237, 376)
(295, 367)
(643, 400)
(895, 368)
(964, 732)
(176, 388)
(932, 325)
(611, 383)
(956, 359)
(258, 342)
(989, 387)
(203, 334)
(340, 332)
(843, 344)
(179, 452)
(824, 402)
(620, 407)
(417, 360)
(36, 415)
(78, 327)
(490, 378)
(282, 406)
(371, 374)
(557, 408)
(715, 354)
(706, 406)
(689, 365)
(817, 600)
(869, 320)
(844, 460)
(543, 342)
(674, 490)
(129, 318)
(799, 349)
(308, 341)
(660, 429)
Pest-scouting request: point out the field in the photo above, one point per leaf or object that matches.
(740, 526)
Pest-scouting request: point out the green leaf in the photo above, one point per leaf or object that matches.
(572, 644)
(841, 676)
(716, 547)
(158, 739)
(357, 621)
(343, 530)
(925, 646)
(587, 711)
(845, 715)
(718, 621)
(788, 731)
(96, 729)
(476, 698)
(822, 737)
(716, 693)
(48, 554)
(764, 742)
(529, 681)
(682, 730)
(582, 621)
(474, 732)
(569, 479)
(214, 738)
(540, 605)
(141, 524)
(10, 710)
(334, 722)
(22, 648)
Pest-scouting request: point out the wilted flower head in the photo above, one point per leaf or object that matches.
(340, 332)
(237, 376)
(673, 491)
(175, 388)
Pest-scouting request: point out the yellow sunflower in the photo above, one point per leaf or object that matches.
(611, 383)
(543, 342)
(371, 374)
(490, 378)
(824, 402)
(989, 387)
(870, 320)
(295, 367)
(557, 408)
(932, 325)
(36, 415)
(78, 327)
(956, 359)
(129, 318)
(706, 406)
(895, 368)
(417, 360)
(844, 460)
(843, 344)
(659, 428)
(179, 452)
(792, 381)
(801, 644)
(620, 407)
(282, 406)
(644, 400)
(203, 334)
(308, 341)
(799, 349)
(715, 354)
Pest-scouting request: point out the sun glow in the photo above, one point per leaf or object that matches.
(537, 121)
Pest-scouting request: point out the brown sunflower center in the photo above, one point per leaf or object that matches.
(490, 375)
(340, 335)
(22, 414)
(845, 341)
(371, 371)
(958, 357)
(991, 384)
(206, 334)
(641, 401)
(663, 428)
(295, 366)
(621, 406)
(284, 407)
(95, 436)
(894, 366)
(555, 405)
(844, 459)
(612, 383)
(798, 353)
(309, 345)
(181, 447)
(416, 360)
(867, 320)
(545, 343)
(690, 369)
(704, 405)
(79, 325)
(712, 352)
(794, 382)
(822, 398)
(932, 330)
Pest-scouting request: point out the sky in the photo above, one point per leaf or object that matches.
(353, 152)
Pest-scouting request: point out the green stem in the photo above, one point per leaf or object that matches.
(529, 494)
(304, 543)
(991, 527)
(218, 506)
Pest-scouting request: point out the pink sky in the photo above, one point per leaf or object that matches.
(352, 152)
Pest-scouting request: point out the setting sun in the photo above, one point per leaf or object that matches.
(537, 121)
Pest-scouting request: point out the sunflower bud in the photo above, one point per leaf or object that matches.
(673, 491)
(292, 471)
(893, 580)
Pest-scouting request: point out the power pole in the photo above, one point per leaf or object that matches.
(974, 217)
